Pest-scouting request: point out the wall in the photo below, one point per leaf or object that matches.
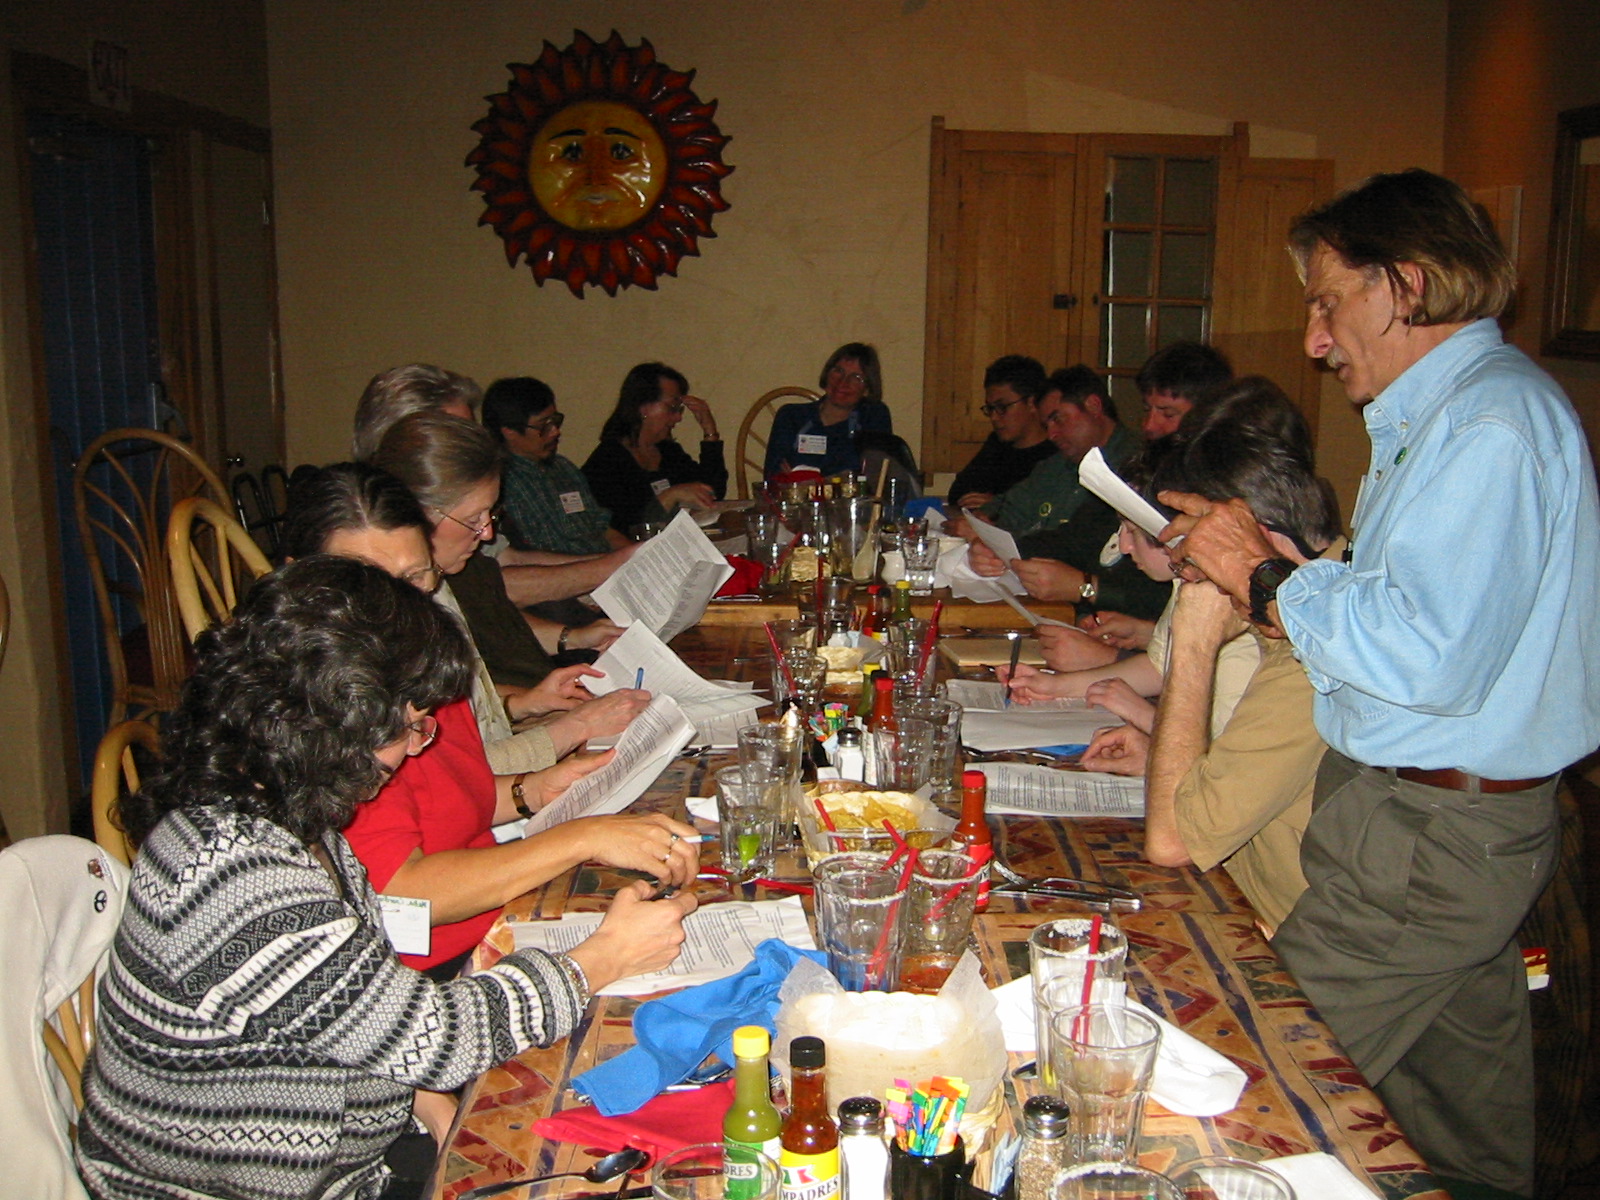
(207, 54)
(828, 105)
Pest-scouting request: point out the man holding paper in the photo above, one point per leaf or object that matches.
(1451, 659)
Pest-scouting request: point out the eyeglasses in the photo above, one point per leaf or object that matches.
(850, 377)
(998, 407)
(427, 578)
(423, 732)
(544, 426)
(675, 407)
(482, 531)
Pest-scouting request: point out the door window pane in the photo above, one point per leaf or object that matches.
(1191, 187)
(1124, 341)
(1186, 266)
(1179, 324)
(1128, 263)
(1131, 191)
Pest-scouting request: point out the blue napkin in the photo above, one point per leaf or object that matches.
(675, 1033)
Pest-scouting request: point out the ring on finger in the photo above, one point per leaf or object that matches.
(673, 840)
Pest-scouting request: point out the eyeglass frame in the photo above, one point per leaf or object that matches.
(995, 408)
(416, 578)
(427, 728)
(545, 424)
(484, 532)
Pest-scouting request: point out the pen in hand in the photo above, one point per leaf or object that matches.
(638, 679)
(1016, 654)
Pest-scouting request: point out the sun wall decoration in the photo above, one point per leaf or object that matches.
(599, 165)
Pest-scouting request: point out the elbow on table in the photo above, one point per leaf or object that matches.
(1166, 849)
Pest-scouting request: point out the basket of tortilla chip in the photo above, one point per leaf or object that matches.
(858, 813)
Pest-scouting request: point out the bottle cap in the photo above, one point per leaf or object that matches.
(751, 1041)
(860, 1114)
(974, 779)
(883, 681)
(1046, 1117)
(807, 1053)
(849, 736)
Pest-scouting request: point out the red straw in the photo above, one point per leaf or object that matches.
(972, 872)
(928, 640)
(827, 823)
(1081, 1031)
(783, 663)
(880, 954)
(900, 844)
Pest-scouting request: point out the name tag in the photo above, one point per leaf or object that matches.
(660, 485)
(408, 922)
(572, 502)
(811, 443)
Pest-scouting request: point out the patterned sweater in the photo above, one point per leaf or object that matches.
(257, 1036)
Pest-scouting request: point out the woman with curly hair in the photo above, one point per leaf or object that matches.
(257, 1036)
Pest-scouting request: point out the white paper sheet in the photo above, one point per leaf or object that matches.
(1318, 1176)
(719, 940)
(1096, 475)
(1027, 614)
(1001, 542)
(647, 745)
(1024, 727)
(980, 695)
(668, 582)
(717, 710)
(1025, 789)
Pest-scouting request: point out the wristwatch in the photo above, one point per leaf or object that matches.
(1089, 589)
(1265, 581)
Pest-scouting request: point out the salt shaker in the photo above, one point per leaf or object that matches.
(1044, 1147)
(863, 1156)
(848, 758)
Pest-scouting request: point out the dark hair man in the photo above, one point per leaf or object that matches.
(547, 501)
(1011, 389)
(1174, 380)
(1451, 659)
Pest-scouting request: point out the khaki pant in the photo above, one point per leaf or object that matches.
(1404, 940)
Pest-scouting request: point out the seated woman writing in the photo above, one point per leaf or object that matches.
(427, 833)
(822, 434)
(638, 471)
(257, 1037)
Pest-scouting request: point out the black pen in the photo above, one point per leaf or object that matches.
(1016, 654)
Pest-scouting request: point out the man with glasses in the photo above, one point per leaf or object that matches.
(547, 501)
(1011, 389)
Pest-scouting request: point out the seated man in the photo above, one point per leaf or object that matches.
(1011, 389)
(1175, 380)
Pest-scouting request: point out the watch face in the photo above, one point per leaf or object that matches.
(1264, 583)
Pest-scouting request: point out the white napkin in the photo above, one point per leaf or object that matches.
(702, 808)
(1319, 1177)
(1190, 1078)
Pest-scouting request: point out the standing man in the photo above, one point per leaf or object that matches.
(1174, 380)
(1450, 658)
(1011, 389)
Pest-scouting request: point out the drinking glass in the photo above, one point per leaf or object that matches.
(698, 1173)
(944, 717)
(747, 821)
(810, 674)
(921, 554)
(1113, 1181)
(1221, 1178)
(854, 525)
(799, 636)
(899, 760)
(1104, 1056)
(904, 644)
(858, 900)
(777, 750)
(768, 540)
(1058, 952)
(940, 901)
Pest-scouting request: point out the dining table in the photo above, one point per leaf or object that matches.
(1197, 957)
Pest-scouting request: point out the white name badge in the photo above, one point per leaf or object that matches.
(660, 485)
(408, 922)
(811, 443)
(572, 502)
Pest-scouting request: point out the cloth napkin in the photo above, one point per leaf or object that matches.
(667, 1123)
(674, 1034)
(1190, 1078)
(1319, 1177)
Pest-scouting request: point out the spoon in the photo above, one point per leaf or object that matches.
(619, 1162)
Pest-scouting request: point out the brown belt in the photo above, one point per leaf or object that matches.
(1453, 780)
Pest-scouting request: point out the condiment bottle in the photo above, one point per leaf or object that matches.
(864, 1156)
(972, 831)
(871, 618)
(809, 1154)
(751, 1125)
(849, 759)
(902, 602)
(882, 719)
(1044, 1147)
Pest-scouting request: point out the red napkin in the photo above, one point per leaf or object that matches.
(746, 577)
(671, 1121)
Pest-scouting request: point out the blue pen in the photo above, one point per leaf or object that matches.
(638, 678)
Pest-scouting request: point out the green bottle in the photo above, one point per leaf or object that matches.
(902, 602)
(751, 1125)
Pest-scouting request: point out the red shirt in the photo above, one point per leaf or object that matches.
(441, 799)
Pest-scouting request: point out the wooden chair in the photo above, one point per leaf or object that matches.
(261, 505)
(125, 485)
(116, 774)
(213, 560)
(751, 463)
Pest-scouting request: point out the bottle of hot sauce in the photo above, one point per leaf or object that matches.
(809, 1157)
(882, 719)
(871, 618)
(972, 831)
(752, 1125)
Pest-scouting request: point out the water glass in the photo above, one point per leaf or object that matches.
(944, 717)
(1221, 1178)
(768, 540)
(921, 554)
(778, 751)
(698, 1172)
(858, 900)
(798, 636)
(900, 760)
(940, 901)
(854, 524)
(904, 644)
(1058, 952)
(1105, 1055)
(810, 675)
(1113, 1181)
(747, 821)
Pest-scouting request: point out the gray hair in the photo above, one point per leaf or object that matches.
(401, 391)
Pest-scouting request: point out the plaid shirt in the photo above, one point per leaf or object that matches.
(531, 494)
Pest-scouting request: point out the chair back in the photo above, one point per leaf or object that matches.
(213, 562)
(115, 775)
(63, 898)
(261, 505)
(125, 485)
(750, 449)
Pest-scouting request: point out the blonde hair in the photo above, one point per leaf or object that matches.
(401, 391)
(439, 457)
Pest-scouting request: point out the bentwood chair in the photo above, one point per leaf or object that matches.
(213, 561)
(261, 505)
(116, 774)
(125, 485)
(750, 449)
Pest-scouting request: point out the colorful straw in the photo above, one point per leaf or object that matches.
(827, 823)
(783, 663)
(928, 639)
(927, 1118)
(1080, 1029)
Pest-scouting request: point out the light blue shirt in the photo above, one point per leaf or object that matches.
(1466, 630)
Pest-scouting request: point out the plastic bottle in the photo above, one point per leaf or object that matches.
(882, 719)
(809, 1154)
(972, 831)
(1044, 1147)
(863, 1154)
(752, 1124)
(902, 602)
(871, 618)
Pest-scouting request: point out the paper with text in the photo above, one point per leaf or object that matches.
(719, 940)
(717, 709)
(668, 582)
(981, 695)
(1027, 614)
(1001, 542)
(1025, 727)
(1096, 475)
(1024, 789)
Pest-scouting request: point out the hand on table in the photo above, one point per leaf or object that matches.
(1118, 629)
(638, 935)
(648, 842)
(689, 495)
(1121, 750)
(1030, 684)
(1067, 649)
(1116, 696)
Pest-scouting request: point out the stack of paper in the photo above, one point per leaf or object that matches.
(980, 695)
(1028, 727)
(668, 582)
(718, 710)
(1048, 792)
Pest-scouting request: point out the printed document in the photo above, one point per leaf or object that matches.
(1096, 475)
(1001, 542)
(1025, 728)
(668, 582)
(980, 695)
(717, 709)
(1023, 789)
